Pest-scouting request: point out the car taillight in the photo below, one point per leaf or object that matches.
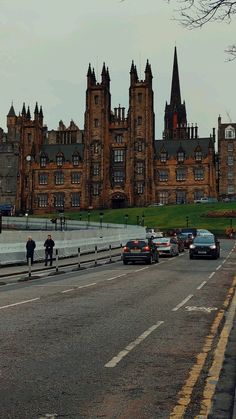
(146, 248)
(167, 244)
(125, 249)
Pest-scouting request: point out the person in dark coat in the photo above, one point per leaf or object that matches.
(30, 246)
(49, 244)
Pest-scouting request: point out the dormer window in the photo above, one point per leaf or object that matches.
(59, 159)
(163, 157)
(180, 156)
(229, 132)
(75, 160)
(198, 155)
(43, 161)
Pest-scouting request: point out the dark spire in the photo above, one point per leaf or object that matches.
(148, 71)
(108, 75)
(36, 110)
(28, 116)
(175, 97)
(104, 74)
(11, 111)
(23, 112)
(133, 73)
(89, 72)
(41, 112)
(93, 76)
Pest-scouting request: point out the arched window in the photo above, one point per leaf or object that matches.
(229, 132)
(59, 159)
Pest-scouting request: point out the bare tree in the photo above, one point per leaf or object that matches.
(197, 13)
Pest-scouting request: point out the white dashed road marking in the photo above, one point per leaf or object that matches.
(182, 303)
(21, 302)
(210, 276)
(114, 361)
(202, 285)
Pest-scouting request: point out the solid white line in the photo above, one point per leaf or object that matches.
(114, 277)
(71, 289)
(21, 302)
(114, 361)
(202, 285)
(213, 273)
(182, 303)
(142, 269)
(218, 267)
(88, 285)
(223, 261)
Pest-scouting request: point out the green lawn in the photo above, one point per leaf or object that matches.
(166, 217)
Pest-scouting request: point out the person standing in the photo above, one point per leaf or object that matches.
(49, 244)
(30, 246)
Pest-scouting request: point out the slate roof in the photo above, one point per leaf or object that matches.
(188, 146)
(51, 150)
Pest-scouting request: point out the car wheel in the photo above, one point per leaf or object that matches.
(125, 262)
(190, 256)
(149, 261)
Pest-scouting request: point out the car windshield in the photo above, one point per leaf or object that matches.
(161, 240)
(136, 243)
(204, 239)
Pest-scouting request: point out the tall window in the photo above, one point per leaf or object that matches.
(181, 174)
(198, 174)
(163, 197)
(230, 160)
(96, 99)
(140, 188)
(139, 145)
(198, 194)
(59, 178)
(180, 197)
(43, 178)
(230, 189)
(118, 176)
(75, 199)
(43, 200)
(163, 175)
(229, 132)
(96, 123)
(139, 168)
(59, 198)
(75, 177)
(119, 138)
(95, 189)
(140, 120)
(140, 97)
(230, 147)
(118, 156)
(96, 169)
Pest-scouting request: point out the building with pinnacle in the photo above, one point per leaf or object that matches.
(115, 160)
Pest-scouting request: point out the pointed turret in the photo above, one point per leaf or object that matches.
(148, 72)
(36, 109)
(104, 74)
(90, 76)
(28, 116)
(133, 74)
(23, 112)
(41, 112)
(11, 112)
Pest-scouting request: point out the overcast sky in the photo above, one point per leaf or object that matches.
(46, 47)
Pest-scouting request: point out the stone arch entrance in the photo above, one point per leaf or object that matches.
(118, 200)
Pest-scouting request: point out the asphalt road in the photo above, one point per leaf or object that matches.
(117, 341)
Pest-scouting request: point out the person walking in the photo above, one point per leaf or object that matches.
(49, 244)
(30, 246)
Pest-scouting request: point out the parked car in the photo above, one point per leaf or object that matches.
(205, 246)
(151, 233)
(166, 246)
(139, 251)
(203, 232)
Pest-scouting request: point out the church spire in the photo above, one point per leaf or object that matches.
(175, 97)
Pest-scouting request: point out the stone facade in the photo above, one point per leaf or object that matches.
(115, 161)
(227, 162)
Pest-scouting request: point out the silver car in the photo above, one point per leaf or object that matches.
(167, 246)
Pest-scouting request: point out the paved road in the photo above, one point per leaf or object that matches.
(118, 341)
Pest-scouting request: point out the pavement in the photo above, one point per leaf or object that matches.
(224, 401)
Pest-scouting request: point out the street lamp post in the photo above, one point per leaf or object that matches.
(88, 218)
(187, 220)
(101, 218)
(26, 221)
(126, 220)
(137, 220)
(143, 217)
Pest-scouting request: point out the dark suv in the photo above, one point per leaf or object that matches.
(205, 246)
(139, 250)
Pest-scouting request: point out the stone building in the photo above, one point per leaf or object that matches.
(115, 161)
(227, 162)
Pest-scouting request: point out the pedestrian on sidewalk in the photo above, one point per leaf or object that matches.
(30, 246)
(49, 244)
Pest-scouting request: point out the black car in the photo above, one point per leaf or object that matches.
(139, 250)
(205, 246)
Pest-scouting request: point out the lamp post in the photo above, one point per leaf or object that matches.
(126, 220)
(88, 218)
(137, 220)
(26, 221)
(143, 217)
(187, 220)
(101, 218)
